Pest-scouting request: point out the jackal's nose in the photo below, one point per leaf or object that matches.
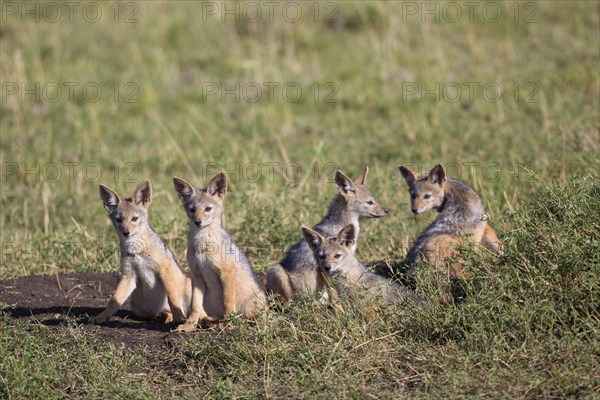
(198, 222)
(385, 211)
(327, 268)
(125, 232)
(414, 210)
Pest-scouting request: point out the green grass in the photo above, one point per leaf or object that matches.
(529, 325)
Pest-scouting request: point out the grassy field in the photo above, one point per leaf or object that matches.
(507, 98)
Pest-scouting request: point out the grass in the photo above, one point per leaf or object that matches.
(40, 364)
(529, 325)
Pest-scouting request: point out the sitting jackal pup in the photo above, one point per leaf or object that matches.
(461, 216)
(223, 279)
(335, 259)
(149, 272)
(298, 271)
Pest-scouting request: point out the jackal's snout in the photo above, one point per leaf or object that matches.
(380, 212)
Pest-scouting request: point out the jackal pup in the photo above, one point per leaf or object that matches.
(297, 272)
(149, 271)
(223, 279)
(461, 217)
(336, 260)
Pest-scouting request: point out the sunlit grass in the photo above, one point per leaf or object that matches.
(540, 134)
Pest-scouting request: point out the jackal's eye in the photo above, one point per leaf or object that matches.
(192, 209)
(427, 196)
(370, 202)
(338, 255)
(134, 219)
(119, 219)
(207, 209)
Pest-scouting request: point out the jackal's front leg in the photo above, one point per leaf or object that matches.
(331, 294)
(334, 299)
(175, 289)
(197, 312)
(125, 287)
(491, 239)
(280, 284)
(228, 283)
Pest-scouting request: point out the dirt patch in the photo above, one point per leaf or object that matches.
(55, 300)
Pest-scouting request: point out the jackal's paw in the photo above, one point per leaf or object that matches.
(98, 319)
(337, 309)
(166, 317)
(178, 316)
(207, 319)
(186, 327)
(499, 250)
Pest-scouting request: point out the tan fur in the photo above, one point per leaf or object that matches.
(278, 281)
(440, 251)
(223, 279)
(150, 274)
(297, 272)
(490, 238)
(461, 217)
(343, 272)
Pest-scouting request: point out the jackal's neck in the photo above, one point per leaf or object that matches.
(207, 234)
(338, 214)
(140, 243)
(461, 202)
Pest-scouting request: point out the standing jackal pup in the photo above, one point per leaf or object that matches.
(461, 216)
(223, 279)
(149, 272)
(336, 260)
(298, 271)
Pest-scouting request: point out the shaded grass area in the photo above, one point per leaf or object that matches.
(527, 327)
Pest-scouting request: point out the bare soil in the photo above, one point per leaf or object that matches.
(55, 300)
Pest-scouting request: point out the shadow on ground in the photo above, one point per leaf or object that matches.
(59, 300)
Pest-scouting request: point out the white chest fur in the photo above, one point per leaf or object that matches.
(207, 253)
(136, 256)
(144, 267)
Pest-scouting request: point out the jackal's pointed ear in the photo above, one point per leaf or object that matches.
(344, 184)
(347, 236)
(313, 238)
(110, 198)
(360, 180)
(183, 188)
(142, 197)
(409, 176)
(437, 175)
(218, 186)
